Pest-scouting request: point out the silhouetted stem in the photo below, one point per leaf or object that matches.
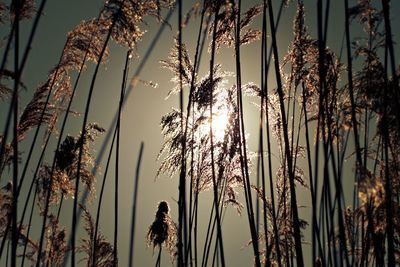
(293, 200)
(48, 193)
(121, 100)
(388, 179)
(351, 91)
(134, 206)
(139, 69)
(215, 186)
(158, 262)
(96, 229)
(83, 133)
(190, 105)
(242, 143)
(182, 221)
(18, 71)
(14, 233)
(315, 228)
(29, 226)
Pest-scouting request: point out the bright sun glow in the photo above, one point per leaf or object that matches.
(220, 122)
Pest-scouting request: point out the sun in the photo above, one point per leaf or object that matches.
(220, 123)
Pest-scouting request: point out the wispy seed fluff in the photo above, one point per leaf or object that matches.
(163, 229)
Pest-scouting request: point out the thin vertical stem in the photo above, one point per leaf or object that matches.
(293, 200)
(121, 100)
(96, 229)
(134, 206)
(83, 133)
(197, 58)
(215, 186)
(14, 229)
(48, 193)
(182, 227)
(29, 227)
(19, 71)
(387, 175)
(261, 137)
(242, 143)
(351, 90)
(109, 134)
(158, 262)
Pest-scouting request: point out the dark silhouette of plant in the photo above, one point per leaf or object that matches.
(163, 230)
(65, 172)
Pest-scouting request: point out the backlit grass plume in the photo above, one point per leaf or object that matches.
(163, 230)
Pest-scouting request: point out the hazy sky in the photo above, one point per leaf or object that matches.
(146, 106)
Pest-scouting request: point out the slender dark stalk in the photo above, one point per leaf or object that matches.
(158, 262)
(29, 226)
(182, 223)
(243, 148)
(209, 235)
(313, 201)
(18, 71)
(83, 133)
(121, 100)
(14, 233)
(215, 186)
(329, 221)
(267, 61)
(315, 229)
(44, 147)
(350, 84)
(96, 229)
(388, 180)
(8, 252)
(137, 73)
(293, 200)
(8, 120)
(389, 43)
(196, 205)
(33, 182)
(195, 240)
(34, 141)
(48, 193)
(326, 192)
(189, 250)
(326, 118)
(216, 253)
(271, 184)
(211, 229)
(24, 60)
(108, 136)
(190, 106)
(264, 93)
(134, 206)
(31, 149)
(27, 198)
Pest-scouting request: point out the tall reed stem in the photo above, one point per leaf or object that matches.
(14, 229)
(83, 133)
(182, 227)
(134, 206)
(215, 185)
(288, 155)
(117, 153)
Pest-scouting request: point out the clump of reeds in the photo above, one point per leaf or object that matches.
(333, 117)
